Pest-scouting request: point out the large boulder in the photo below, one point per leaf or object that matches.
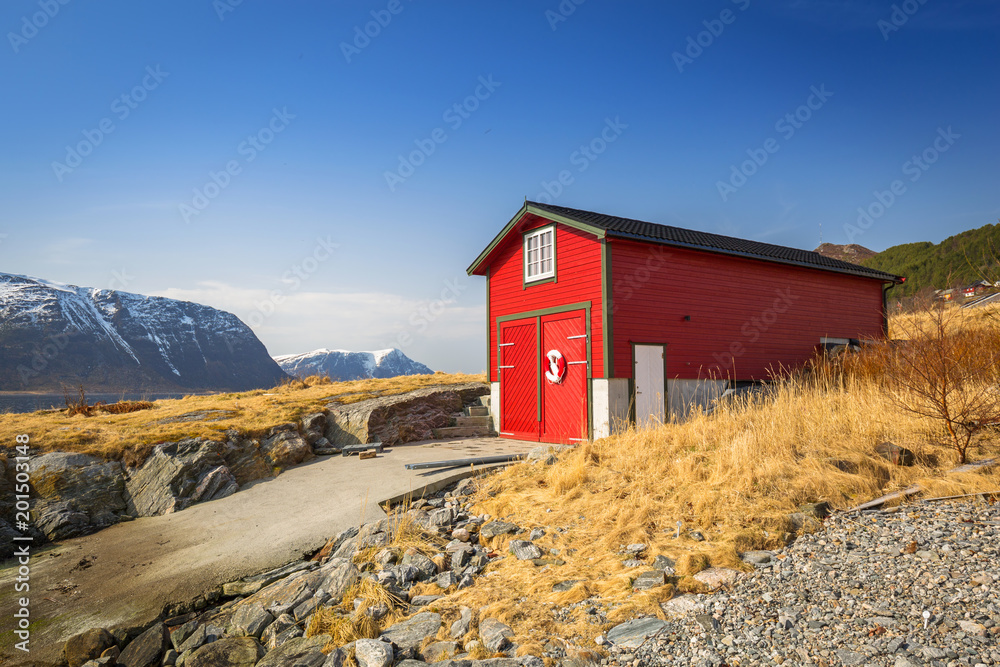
(227, 652)
(87, 645)
(177, 475)
(373, 653)
(494, 634)
(298, 652)
(283, 596)
(76, 494)
(147, 649)
(287, 448)
(408, 635)
(402, 418)
(632, 634)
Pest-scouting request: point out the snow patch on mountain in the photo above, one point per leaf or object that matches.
(343, 365)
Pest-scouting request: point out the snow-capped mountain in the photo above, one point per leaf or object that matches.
(53, 335)
(341, 365)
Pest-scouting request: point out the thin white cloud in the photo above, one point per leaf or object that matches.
(292, 322)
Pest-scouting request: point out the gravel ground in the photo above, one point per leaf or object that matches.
(854, 594)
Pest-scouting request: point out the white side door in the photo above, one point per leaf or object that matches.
(650, 390)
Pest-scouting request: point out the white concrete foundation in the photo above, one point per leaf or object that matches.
(685, 395)
(610, 406)
(495, 405)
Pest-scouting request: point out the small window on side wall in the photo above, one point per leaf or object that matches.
(539, 255)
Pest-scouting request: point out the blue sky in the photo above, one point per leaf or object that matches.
(236, 153)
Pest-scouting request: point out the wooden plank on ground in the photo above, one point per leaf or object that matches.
(914, 490)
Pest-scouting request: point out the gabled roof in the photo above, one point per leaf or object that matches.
(602, 226)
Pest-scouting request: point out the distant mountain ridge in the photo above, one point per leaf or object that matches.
(343, 365)
(852, 252)
(54, 335)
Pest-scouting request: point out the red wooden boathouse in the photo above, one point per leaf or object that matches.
(596, 321)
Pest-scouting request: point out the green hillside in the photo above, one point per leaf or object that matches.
(958, 260)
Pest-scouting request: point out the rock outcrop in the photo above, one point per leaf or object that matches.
(396, 419)
(76, 494)
(177, 475)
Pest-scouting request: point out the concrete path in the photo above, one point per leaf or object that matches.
(126, 574)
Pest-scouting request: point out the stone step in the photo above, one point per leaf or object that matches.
(485, 400)
(477, 411)
(463, 432)
(478, 420)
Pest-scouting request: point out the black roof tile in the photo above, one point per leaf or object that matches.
(689, 238)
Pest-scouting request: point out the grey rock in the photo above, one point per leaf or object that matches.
(649, 579)
(298, 652)
(177, 475)
(424, 600)
(536, 534)
(631, 634)
(438, 651)
(180, 635)
(707, 622)
(204, 634)
(76, 494)
(851, 657)
(409, 634)
(249, 620)
(336, 658)
(250, 585)
(494, 635)
(227, 652)
(494, 528)
(461, 627)
(287, 448)
(87, 645)
(425, 566)
(147, 649)
(757, 557)
(524, 550)
(373, 653)
(446, 580)
(663, 563)
(563, 586)
(393, 420)
(716, 577)
(270, 637)
(340, 578)
(441, 518)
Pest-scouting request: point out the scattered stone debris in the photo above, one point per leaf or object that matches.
(852, 594)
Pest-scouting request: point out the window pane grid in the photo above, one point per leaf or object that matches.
(539, 255)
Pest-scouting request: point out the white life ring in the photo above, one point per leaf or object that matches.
(557, 367)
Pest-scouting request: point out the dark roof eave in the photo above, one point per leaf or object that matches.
(874, 275)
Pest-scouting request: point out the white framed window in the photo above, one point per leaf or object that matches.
(540, 254)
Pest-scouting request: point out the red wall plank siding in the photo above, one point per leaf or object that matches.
(746, 314)
(578, 279)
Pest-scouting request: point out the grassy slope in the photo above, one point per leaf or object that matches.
(956, 261)
(735, 476)
(126, 436)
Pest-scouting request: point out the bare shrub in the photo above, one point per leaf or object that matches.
(945, 370)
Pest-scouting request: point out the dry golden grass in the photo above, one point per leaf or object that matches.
(126, 436)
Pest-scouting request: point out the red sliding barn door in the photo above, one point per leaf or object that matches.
(519, 379)
(564, 402)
